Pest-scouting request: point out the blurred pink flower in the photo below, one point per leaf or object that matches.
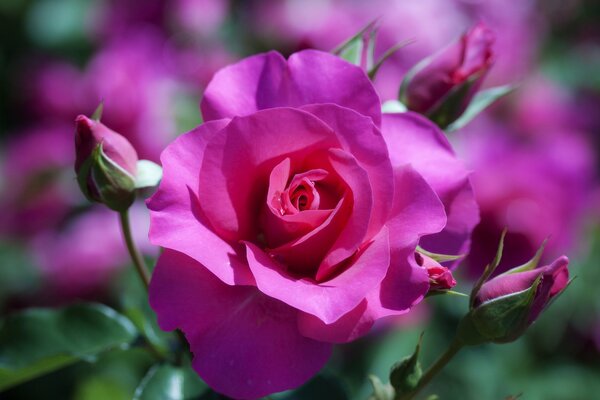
(537, 188)
(38, 189)
(82, 257)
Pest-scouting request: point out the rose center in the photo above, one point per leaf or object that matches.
(301, 194)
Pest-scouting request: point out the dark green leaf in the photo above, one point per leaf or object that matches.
(166, 382)
(38, 341)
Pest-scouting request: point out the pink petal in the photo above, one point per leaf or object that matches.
(328, 300)
(361, 138)
(414, 139)
(308, 77)
(237, 162)
(176, 220)
(417, 212)
(245, 344)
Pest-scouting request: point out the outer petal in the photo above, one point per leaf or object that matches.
(245, 345)
(238, 160)
(329, 300)
(414, 139)
(308, 77)
(176, 221)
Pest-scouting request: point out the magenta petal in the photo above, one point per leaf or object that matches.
(245, 344)
(320, 77)
(328, 300)
(234, 177)
(349, 327)
(414, 139)
(176, 221)
(308, 77)
(417, 212)
(245, 87)
(361, 138)
(354, 232)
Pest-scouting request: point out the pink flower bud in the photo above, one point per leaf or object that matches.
(553, 279)
(90, 133)
(444, 86)
(105, 164)
(440, 277)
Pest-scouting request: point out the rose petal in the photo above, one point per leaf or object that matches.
(245, 344)
(417, 212)
(277, 228)
(414, 139)
(238, 160)
(308, 77)
(327, 300)
(177, 223)
(364, 141)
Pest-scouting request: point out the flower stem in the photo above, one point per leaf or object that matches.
(437, 366)
(136, 257)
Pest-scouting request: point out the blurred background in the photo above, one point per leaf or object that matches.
(534, 158)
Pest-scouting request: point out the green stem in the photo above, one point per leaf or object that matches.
(437, 366)
(136, 257)
(142, 271)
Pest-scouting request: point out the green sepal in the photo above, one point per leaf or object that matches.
(405, 374)
(531, 264)
(97, 115)
(352, 49)
(452, 105)
(372, 71)
(381, 391)
(479, 103)
(38, 341)
(114, 185)
(506, 318)
(439, 257)
(489, 269)
(393, 106)
(148, 174)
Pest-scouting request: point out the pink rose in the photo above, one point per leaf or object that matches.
(290, 219)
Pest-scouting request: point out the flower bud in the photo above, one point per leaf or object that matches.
(105, 164)
(440, 277)
(507, 305)
(442, 86)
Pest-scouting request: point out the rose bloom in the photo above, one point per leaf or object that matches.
(290, 219)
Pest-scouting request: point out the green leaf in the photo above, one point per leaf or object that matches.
(405, 374)
(171, 383)
(38, 341)
(480, 102)
(148, 174)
